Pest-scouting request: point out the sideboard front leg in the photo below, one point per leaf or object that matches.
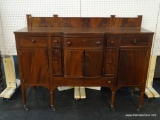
(52, 100)
(140, 101)
(24, 99)
(113, 100)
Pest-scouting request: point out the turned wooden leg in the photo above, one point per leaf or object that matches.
(140, 101)
(113, 101)
(24, 99)
(52, 100)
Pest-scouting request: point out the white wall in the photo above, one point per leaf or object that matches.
(2, 44)
(13, 14)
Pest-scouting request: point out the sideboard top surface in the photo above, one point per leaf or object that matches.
(100, 30)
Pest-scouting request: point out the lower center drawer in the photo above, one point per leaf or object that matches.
(101, 81)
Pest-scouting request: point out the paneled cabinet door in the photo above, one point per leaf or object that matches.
(93, 63)
(132, 66)
(73, 63)
(83, 63)
(35, 66)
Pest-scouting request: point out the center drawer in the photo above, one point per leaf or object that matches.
(83, 42)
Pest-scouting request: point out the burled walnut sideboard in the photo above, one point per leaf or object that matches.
(74, 51)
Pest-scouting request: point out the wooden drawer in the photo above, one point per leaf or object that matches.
(112, 41)
(33, 42)
(57, 61)
(83, 42)
(131, 40)
(56, 41)
(110, 61)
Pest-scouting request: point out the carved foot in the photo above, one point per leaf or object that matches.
(25, 108)
(139, 108)
(77, 98)
(53, 108)
(112, 107)
(34, 90)
(131, 92)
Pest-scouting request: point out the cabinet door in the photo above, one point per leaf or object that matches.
(73, 63)
(35, 66)
(93, 63)
(132, 66)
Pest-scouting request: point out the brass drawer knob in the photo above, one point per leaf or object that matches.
(110, 61)
(69, 43)
(33, 41)
(98, 42)
(55, 41)
(112, 42)
(109, 82)
(55, 62)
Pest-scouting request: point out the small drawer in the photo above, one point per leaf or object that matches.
(56, 41)
(83, 42)
(130, 40)
(112, 41)
(110, 61)
(109, 82)
(56, 61)
(33, 41)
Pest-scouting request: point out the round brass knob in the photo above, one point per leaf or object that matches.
(110, 61)
(55, 41)
(109, 82)
(112, 42)
(98, 42)
(33, 41)
(55, 62)
(69, 43)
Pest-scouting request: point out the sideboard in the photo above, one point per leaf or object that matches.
(56, 51)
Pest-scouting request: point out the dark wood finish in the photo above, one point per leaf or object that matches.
(112, 41)
(1, 77)
(93, 63)
(83, 22)
(56, 41)
(102, 81)
(83, 42)
(35, 66)
(40, 21)
(56, 21)
(131, 67)
(64, 51)
(110, 62)
(57, 61)
(128, 22)
(33, 42)
(132, 40)
(73, 63)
